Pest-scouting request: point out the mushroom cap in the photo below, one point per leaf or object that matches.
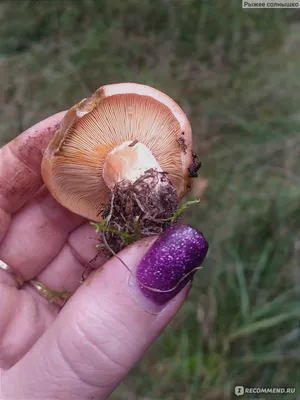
(72, 165)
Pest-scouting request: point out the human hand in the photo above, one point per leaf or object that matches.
(84, 349)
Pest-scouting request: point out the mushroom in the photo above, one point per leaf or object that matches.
(123, 154)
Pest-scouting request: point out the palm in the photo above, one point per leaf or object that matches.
(39, 239)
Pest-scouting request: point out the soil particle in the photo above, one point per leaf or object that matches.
(194, 166)
(133, 143)
(182, 144)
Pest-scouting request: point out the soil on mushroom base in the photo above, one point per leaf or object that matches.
(140, 209)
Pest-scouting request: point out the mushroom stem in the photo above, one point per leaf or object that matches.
(128, 162)
(143, 198)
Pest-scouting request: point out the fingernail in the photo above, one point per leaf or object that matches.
(170, 263)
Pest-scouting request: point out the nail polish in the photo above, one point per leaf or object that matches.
(170, 263)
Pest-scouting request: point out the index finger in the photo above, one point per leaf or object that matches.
(20, 159)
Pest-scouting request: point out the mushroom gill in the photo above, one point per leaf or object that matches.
(128, 143)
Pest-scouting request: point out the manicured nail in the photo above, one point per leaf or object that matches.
(170, 263)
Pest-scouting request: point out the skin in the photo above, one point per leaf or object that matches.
(87, 348)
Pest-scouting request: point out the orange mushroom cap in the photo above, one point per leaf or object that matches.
(78, 166)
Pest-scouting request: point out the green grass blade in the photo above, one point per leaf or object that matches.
(262, 325)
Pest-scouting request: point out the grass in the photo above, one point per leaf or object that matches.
(236, 73)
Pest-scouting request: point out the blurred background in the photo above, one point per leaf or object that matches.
(236, 73)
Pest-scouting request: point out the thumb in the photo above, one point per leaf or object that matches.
(110, 322)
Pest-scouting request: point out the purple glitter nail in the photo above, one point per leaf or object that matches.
(175, 254)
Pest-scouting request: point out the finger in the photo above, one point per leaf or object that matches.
(24, 314)
(106, 327)
(36, 235)
(64, 273)
(23, 320)
(20, 160)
